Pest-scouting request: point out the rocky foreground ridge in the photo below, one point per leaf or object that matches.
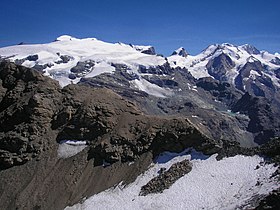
(36, 114)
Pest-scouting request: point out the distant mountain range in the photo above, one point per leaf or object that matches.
(69, 59)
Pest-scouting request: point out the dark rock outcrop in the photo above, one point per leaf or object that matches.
(28, 103)
(64, 58)
(149, 51)
(271, 149)
(275, 61)
(272, 201)
(264, 116)
(144, 49)
(82, 68)
(166, 178)
(252, 79)
(222, 91)
(277, 73)
(32, 57)
(218, 66)
(158, 70)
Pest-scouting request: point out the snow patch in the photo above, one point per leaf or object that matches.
(69, 148)
(150, 88)
(225, 184)
(254, 74)
(101, 68)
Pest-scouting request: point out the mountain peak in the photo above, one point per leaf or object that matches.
(250, 49)
(252, 59)
(215, 47)
(65, 38)
(181, 51)
(149, 50)
(227, 45)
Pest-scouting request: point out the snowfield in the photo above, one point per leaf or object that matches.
(226, 184)
(69, 148)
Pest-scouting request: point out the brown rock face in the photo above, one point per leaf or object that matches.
(166, 178)
(35, 115)
(28, 103)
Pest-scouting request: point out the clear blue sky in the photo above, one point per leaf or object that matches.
(164, 24)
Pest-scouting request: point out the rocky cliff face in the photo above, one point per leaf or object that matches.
(28, 103)
(264, 116)
(218, 66)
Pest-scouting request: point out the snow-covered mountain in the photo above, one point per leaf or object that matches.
(181, 52)
(243, 66)
(67, 59)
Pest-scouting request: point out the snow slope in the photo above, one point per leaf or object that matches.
(150, 88)
(226, 184)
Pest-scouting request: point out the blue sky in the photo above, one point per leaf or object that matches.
(167, 25)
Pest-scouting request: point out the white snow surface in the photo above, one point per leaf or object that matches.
(254, 74)
(226, 184)
(100, 68)
(150, 88)
(69, 148)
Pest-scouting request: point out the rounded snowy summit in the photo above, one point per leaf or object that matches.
(65, 38)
